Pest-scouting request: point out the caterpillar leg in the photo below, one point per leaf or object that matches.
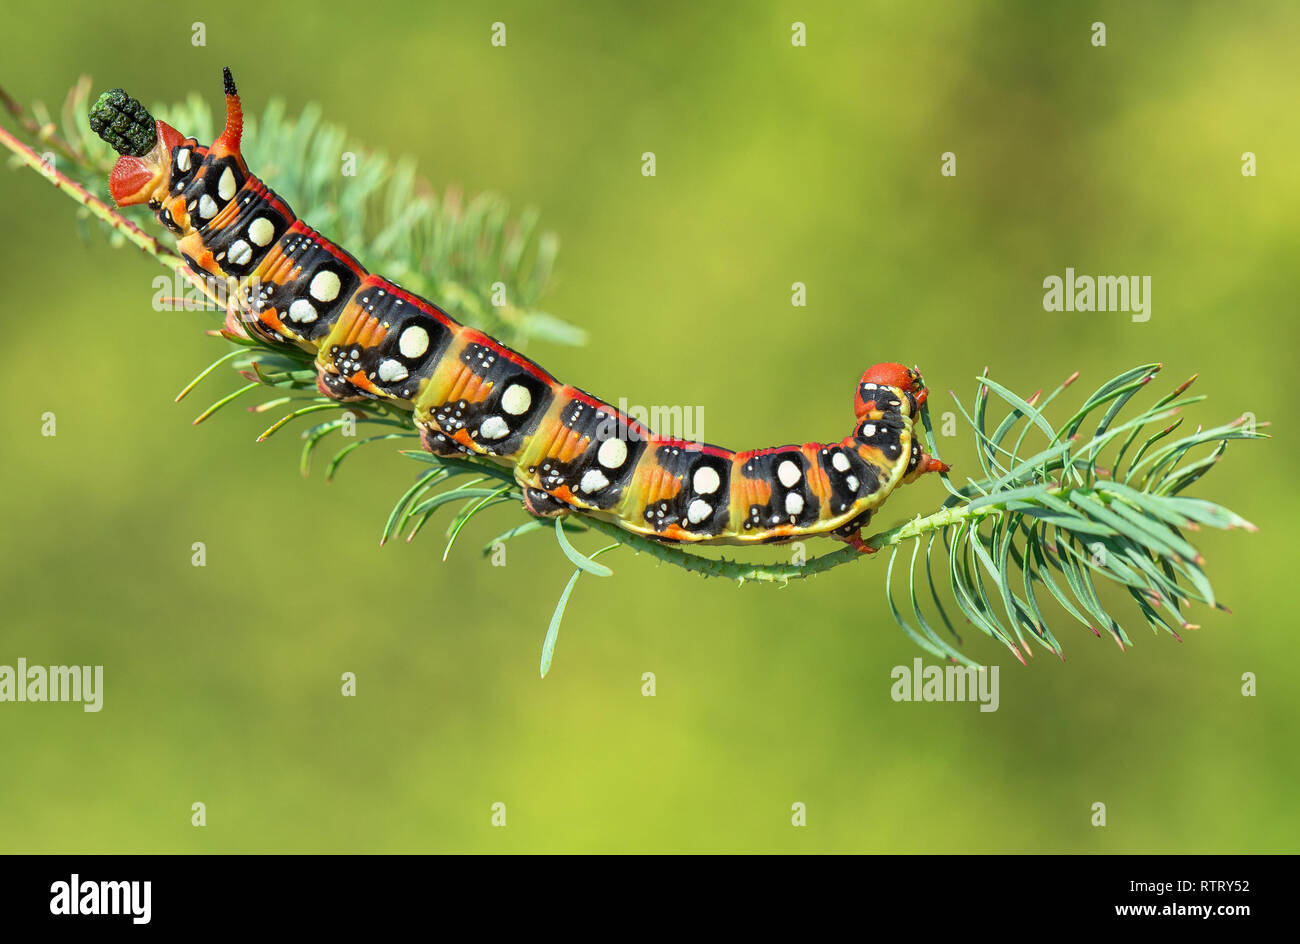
(544, 505)
(924, 463)
(930, 464)
(338, 387)
(851, 533)
(855, 541)
(440, 444)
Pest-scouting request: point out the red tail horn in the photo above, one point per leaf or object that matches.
(229, 140)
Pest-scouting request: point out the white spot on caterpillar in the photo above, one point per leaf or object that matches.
(207, 207)
(869, 430)
(302, 311)
(698, 511)
(392, 370)
(226, 185)
(593, 481)
(706, 480)
(413, 342)
(183, 160)
(261, 231)
(793, 503)
(516, 401)
(788, 473)
(841, 462)
(494, 427)
(324, 286)
(240, 252)
(612, 453)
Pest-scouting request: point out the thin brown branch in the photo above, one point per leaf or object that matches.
(38, 131)
(97, 207)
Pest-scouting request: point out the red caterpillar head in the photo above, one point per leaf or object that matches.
(882, 378)
(143, 171)
(138, 178)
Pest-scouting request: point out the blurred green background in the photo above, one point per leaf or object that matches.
(775, 164)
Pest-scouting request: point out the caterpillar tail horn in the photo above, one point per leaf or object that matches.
(228, 142)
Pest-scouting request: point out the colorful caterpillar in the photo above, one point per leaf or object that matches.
(470, 394)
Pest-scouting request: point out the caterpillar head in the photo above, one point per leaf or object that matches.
(144, 146)
(148, 147)
(902, 383)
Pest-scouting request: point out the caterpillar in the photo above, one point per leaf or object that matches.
(469, 394)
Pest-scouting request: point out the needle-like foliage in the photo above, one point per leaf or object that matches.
(1060, 508)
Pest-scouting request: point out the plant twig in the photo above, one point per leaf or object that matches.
(97, 207)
